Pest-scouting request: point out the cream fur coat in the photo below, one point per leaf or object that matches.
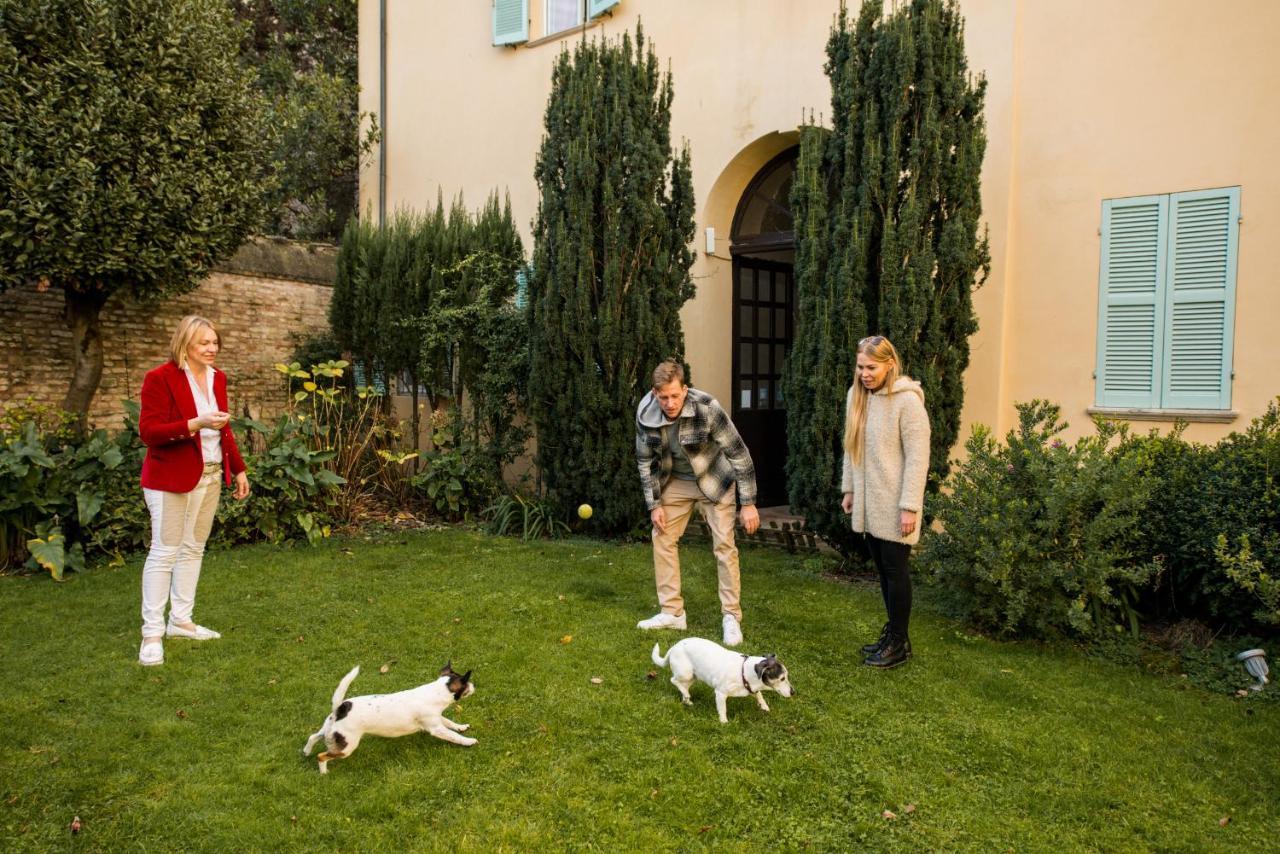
(895, 462)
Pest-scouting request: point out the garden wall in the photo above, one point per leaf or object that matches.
(270, 293)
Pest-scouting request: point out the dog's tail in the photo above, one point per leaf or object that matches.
(658, 658)
(341, 693)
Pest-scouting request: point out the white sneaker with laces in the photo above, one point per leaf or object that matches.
(732, 630)
(663, 621)
(201, 633)
(150, 654)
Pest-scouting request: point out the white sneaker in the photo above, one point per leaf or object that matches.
(201, 633)
(150, 654)
(663, 621)
(732, 631)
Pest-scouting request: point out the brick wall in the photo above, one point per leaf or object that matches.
(256, 300)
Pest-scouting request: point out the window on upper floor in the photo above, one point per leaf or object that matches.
(1166, 306)
(563, 15)
(511, 17)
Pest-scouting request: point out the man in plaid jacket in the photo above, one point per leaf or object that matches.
(690, 454)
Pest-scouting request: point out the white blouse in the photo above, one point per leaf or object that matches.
(210, 440)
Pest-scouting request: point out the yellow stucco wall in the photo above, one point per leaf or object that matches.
(1087, 100)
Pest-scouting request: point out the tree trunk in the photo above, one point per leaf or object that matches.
(82, 315)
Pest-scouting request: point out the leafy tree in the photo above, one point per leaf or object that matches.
(610, 269)
(305, 54)
(887, 206)
(132, 154)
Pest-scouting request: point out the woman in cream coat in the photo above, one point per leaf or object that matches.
(886, 464)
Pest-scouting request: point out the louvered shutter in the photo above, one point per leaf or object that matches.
(596, 8)
(1200, 298)
(522, 288)
(1131, 301)
(510, 21)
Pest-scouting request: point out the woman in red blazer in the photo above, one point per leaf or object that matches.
(191, 454)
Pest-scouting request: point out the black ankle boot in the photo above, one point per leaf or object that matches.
(896, 650)
(871, 648)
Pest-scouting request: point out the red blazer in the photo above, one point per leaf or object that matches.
(174, 459)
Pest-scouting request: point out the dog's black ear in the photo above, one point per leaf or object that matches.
(447, 669)
(466, 677)
(761, 666)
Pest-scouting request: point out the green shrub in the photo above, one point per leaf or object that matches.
(293, 489)
(1230, 490)
(531, 518)
(1039, 535)
(455, 482)
(63, 497)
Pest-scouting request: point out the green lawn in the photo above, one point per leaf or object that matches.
(995, 745)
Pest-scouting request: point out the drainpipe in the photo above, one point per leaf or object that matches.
(382, 111)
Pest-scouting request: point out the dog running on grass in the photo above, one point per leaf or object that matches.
(418, 709)
(730, 674)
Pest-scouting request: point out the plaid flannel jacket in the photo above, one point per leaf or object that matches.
(716, 452)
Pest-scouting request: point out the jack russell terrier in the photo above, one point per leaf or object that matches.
(419, 709)
(730, 674)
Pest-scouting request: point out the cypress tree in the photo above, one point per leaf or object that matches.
(887, 206)
(610, 270)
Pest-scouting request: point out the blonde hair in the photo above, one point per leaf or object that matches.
(188, 327)
(855, 418)
(666, 372)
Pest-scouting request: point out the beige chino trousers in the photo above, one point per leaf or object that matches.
(678, 501)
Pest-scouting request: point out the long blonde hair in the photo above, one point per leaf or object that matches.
(855, 418)
(187, 329)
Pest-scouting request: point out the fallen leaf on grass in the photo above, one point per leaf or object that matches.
(272, 681)
(38, 750)
(347, 552)
(182, 714)
(386, 667)
(560, 598)
(293, 819)
(1224, 821)
(567, 639)
(12, 800)
(457, 619)
(298, 639)
(75, 824)
(705, 828)
(1002, 670)
(909, 809)
(652, 674)
(674, 742)
(888, 815)
(1242, 693)
(596, 680)
(654, 793)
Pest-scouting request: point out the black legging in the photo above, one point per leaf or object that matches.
(895, 580)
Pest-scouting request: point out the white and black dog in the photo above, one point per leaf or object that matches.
(418, 709)
(730, 674)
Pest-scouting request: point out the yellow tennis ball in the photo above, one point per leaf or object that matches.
(584, 511)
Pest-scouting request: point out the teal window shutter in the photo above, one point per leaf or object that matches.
(510, 21)
(596, 8)
(522, 288)
(1200, 298)
(1131, 302)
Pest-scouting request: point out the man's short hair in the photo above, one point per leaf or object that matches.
(666, 372)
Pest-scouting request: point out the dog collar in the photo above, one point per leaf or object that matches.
(745, 683)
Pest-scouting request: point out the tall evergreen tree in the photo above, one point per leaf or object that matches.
(610, 269)
(887, 206)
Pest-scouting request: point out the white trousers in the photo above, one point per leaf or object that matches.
(180, 526)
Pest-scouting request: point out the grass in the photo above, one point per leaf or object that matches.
(995, 745)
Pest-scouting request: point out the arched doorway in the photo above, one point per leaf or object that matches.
(762, 243)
